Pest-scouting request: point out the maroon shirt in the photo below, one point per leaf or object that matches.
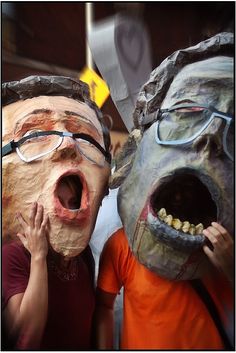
(70, 296)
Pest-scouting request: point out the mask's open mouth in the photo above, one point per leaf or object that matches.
(185, 204)
(71, 198)
(69, 192)
(181, 207)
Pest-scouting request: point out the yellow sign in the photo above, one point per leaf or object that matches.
(99, 91)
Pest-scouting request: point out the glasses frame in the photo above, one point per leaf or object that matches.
(13, 146)
(215, 114)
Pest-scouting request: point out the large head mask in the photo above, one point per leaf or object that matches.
(180, 177)
(55, 152)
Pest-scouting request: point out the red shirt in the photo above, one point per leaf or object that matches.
(70, 297)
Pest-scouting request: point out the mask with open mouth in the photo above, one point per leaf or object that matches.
(173, 191)
(67, 176)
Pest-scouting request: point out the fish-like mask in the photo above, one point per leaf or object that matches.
(55, 152)
(180, 177)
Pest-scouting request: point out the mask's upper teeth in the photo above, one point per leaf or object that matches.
(185, 226)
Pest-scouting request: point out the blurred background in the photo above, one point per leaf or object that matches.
(50, 37)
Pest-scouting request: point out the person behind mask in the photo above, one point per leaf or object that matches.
(56, 165)
(176, 205)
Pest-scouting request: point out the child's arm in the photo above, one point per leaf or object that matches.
(104, 319)
(26, 313)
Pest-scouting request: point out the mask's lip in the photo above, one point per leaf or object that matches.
(78, 216)
(165, 233)
(172, 237)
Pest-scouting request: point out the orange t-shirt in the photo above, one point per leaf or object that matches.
(157, 313)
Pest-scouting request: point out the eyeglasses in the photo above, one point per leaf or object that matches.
(51, 140)
(183, 123)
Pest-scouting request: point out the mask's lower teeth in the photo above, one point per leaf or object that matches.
(175, 223)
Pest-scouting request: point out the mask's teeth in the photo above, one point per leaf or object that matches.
(176, 223)
(168, 219)
(199, 228)
(186, 226)
(192, 229)
(162, 213)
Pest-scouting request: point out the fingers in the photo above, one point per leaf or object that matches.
(208, 251)
(22, 238)
(36, 219)
(211, 256)
(21, 220)
(217, 234)
(214, 236)
(45, 222)
(38, 216)
(221, 230)
(33, 212)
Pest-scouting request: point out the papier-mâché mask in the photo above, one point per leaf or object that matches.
(69, 180)
(180, 178)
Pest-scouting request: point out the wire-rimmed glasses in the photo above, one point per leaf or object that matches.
(51, 140)
(183, 123)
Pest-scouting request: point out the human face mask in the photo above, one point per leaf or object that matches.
(175, 190)
(67, 180)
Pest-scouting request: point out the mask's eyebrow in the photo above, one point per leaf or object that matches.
(82, 119)
(34, 112)
(67, 112)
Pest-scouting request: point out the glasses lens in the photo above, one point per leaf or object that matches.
(38, 145)
(182, 123)
(91, 152)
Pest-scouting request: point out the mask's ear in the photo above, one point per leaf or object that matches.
(124, 160)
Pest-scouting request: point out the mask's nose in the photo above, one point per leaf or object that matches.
(67, 150)
(209, 144)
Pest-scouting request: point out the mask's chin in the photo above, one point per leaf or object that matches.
(179, 209)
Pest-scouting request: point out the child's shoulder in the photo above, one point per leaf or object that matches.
(13, 249)
(119, 236)
(118, 242)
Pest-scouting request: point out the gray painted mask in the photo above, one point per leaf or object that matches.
(172, 191)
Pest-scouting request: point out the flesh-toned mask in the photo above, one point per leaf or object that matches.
(181, 177)
(67, 175)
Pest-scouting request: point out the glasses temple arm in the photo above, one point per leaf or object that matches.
(96, 144)
(224, 140)
(9, 148)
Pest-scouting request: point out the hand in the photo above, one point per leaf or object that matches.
(34, 236)
(222, 254)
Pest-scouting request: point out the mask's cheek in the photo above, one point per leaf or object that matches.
(97, 181)
(21, 186)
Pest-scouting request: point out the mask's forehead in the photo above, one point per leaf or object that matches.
(208, 82)
(15, 112)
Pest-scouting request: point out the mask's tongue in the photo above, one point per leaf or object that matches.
(69, 192)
